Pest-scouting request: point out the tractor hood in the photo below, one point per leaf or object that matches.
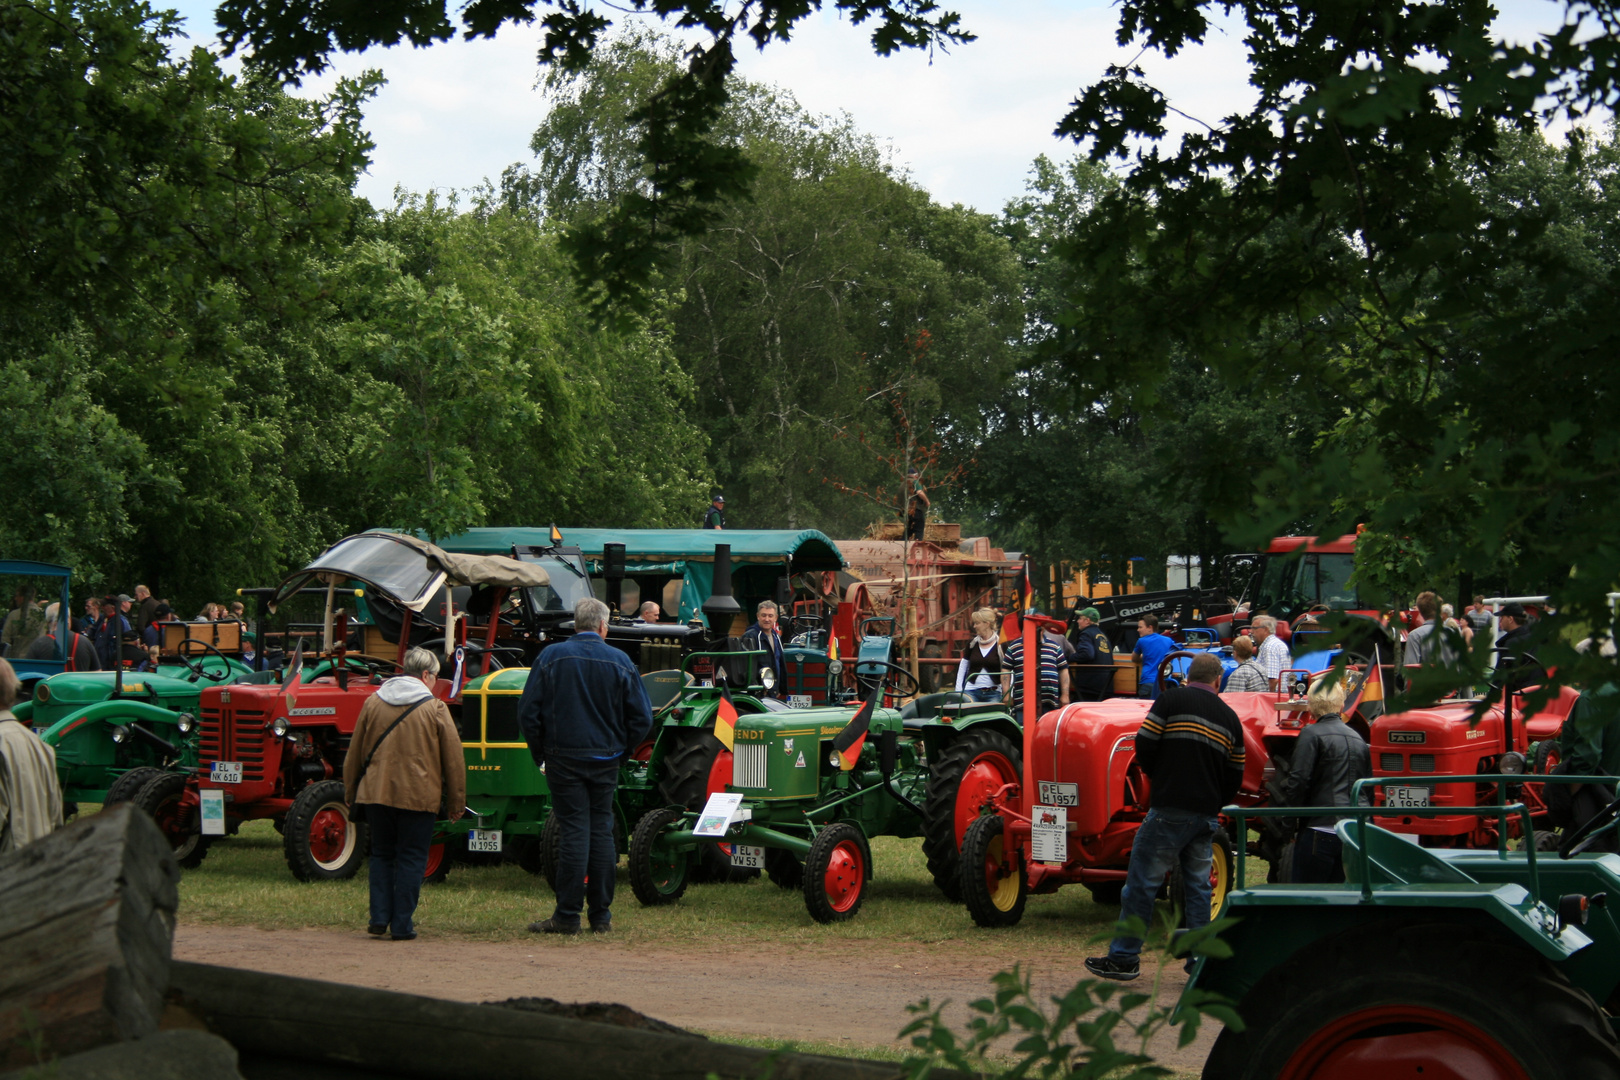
(408, 570)
(75, 689)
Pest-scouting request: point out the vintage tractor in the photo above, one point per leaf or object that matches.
(1483, 964)
(275, 750)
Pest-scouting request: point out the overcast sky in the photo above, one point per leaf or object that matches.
(966, 124)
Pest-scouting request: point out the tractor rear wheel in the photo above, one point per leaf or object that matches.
(1443, 999)
(550, 841)
(994, 884)
(322, 842)
(692, 770)
(1107, 892)
(1222, 866)
(163, 798)
(970, 770)
(126, 787)
(657, 875)
(835, 873)
(438, 864)
(785, 868)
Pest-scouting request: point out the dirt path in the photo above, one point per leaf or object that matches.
(795, 993)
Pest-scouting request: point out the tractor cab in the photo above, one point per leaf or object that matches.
(27, 587)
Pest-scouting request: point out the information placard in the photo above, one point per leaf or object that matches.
(213, 812)
(1049, 834)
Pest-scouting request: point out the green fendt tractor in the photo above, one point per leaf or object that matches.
(1428, 962)
(806, 819)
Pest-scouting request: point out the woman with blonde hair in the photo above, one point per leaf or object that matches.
(1329, 757)
(979, 674)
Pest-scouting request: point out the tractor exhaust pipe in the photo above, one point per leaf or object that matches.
(720, 601)
(613, 573)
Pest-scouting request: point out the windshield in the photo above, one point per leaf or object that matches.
(389, 565)
(1294, 584)
(569, 584)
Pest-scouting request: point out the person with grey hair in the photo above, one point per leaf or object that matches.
(81, 655)
(30, 796)
(1269, 649)
(1329, 757)
(648, 613)
(404, 771)
(583, 711)
(766, 636)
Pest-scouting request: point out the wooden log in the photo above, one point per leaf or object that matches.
(168, 1055)
(275, 1020)
(86, 927)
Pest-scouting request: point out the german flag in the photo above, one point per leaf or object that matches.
(832, 646)
(725, 719)
(294, 678)
(849, 741)
(1369, 696)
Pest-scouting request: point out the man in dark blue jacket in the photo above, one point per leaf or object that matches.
(582, 712)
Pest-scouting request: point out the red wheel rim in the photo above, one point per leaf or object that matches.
(329, 835)
(435, 860)
(846, 873)
(985, 775)
(720, 773)
(1402, 1040)
(173, 816)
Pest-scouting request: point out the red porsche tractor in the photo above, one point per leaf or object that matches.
(275, 749)
(1072, 817)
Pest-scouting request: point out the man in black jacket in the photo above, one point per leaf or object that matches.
(1191, 747)
(1514, 667)
(1092, 669)
(1329, 757)
(765, 636)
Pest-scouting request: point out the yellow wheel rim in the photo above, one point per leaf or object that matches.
(1003, 890)
(1220, 881)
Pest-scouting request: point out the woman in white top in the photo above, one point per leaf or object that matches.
(979, 674)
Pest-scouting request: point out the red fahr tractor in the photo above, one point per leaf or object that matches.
(1073, 815)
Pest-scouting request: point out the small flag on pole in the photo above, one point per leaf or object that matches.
(294, 677)
(725, 719)
(848, 743)
(460, 671)
(1369, 696)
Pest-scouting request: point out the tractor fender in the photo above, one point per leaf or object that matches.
(937, 736)
(107, 712)
(23, 710)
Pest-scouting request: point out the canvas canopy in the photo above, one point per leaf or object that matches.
(410, 570)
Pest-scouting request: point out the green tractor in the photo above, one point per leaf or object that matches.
(809, 803)
(1431, 962)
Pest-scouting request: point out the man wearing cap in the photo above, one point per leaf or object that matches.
(716, 517)
(1093, 674)
(1512, 668)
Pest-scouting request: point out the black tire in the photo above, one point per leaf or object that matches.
(1516, 1003)
(946, 816)
(835, 873)
(525, 851)
(683, 780)
(126, 787)
(786, 870)
(1107, 892)
(440, 856)
(1545, 755)
(994, 886)
(162, 799)
(321, 842)
(1223, 866)
(550, 841)
(657, 877)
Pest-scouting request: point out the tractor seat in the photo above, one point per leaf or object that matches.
(662, 686)
(257, 678)
(927, 706)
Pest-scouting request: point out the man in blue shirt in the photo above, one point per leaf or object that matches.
(1151, 647)
(582, 712)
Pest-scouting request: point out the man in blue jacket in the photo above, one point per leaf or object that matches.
(582, 712)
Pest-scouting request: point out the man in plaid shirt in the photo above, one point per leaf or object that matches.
(1273, 654)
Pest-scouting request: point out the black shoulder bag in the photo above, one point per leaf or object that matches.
(389, 730)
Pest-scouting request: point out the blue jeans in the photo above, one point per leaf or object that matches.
(1167, 837)
(582, 799)
(399, 853)
(1318, 858)
(1149, 690)
(988, 693)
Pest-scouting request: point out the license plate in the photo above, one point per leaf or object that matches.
(226, 772)
(484, 840)
(799, 701)
(1406, 798)
(747, 857)
(1056, 794)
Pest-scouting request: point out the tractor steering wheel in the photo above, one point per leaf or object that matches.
(865, 679)
(196, 668)
(1585, 836)
(1169, 659)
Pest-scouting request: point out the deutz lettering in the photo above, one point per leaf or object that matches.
(750, 734)
(483, 768)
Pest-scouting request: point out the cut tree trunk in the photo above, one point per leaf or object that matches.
(86, 925)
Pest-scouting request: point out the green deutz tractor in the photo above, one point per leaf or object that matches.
(1428, 962)
(923, 770)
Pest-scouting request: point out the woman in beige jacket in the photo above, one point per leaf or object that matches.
(404, 771)
(30, 800)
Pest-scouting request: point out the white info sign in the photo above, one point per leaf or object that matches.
(721, 811)
(212, 812)
(1049, 834)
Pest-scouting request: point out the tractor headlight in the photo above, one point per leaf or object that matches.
(834, 760)
(119, 733)
(279, 727)
(42, 692)
(185, 722)
(835, 666)
(767, 678)
(1512, 763)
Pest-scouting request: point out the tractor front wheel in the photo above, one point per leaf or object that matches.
(969, 771)
(658, 875)
(1443, 999)
(835, 873)
(1222, 865)
(550, 843)
(690, 772)
(994, 884)
(126, 787)
(164, 798)
(438, 864)
(322, 842)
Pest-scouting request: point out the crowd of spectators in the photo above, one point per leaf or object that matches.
(112, 628)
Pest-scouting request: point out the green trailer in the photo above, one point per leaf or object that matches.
(1427, 962)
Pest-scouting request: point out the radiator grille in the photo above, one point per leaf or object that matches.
(749, 766)
(1423, 763)
(1390, 763)
(229, 735)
